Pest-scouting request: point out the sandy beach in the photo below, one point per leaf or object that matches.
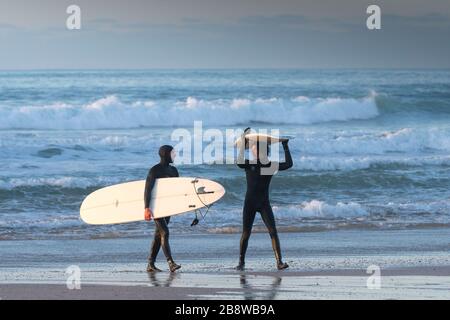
(423, 283)
(331, 265)
(412, 283)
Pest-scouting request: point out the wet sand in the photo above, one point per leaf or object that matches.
(407, 283)
(333, 265)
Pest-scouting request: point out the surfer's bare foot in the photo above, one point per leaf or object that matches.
(173, 266)
(152, 268)
(240, 267)
(282, 265)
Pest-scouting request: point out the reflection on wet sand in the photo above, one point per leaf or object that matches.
(156, 279)
(225, 286)
(252, 293)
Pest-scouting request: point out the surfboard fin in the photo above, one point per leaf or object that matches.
(202, 190)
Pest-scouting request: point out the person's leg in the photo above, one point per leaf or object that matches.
(154, 250)
(269, 221)
(156, 244)
(248, 217)
(164, 238)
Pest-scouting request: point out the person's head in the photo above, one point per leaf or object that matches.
(167, 154)
(260, 151)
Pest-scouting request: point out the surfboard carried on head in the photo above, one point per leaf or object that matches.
(261, 137)
(123, 203)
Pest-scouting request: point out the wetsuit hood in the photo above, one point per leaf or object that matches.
(164, 153)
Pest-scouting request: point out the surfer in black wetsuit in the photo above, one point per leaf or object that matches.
(162, 170)
(259, 174)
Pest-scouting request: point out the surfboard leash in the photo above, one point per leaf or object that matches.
(196, 221)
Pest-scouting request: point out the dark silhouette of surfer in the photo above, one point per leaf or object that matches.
(259, 175)
(162, 170)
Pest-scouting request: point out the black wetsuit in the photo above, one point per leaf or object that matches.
(161, 170)
(257, 200)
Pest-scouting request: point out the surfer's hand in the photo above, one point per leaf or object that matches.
(285, 142)
(148, 214)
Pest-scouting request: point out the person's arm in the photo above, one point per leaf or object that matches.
(287, 157)
(241, 161)
(176, 172)
(149, 184)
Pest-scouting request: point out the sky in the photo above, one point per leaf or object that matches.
(147, 34)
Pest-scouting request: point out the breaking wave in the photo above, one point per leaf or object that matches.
(111, 112)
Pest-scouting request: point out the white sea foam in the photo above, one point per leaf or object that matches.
(441, 206)
(371, 142)
(358, 212)
(321, 209)
(111, 112)
(312, 149)
(320, 163)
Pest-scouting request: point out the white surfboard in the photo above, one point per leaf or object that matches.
(124, 202)
(254, 137)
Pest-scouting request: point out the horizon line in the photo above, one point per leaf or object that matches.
(222, 68)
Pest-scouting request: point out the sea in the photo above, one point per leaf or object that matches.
(371, 148)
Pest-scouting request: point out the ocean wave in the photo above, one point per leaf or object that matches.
(374, 142)
(308, 216)
(111, 112)
(362, 144)
(426, 102)
(439, 207)
(321, 209)
(59, 182)
(305, 168)
(351, 163)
